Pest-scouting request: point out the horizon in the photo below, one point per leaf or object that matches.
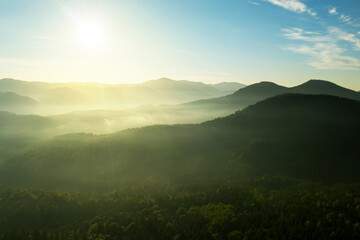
(114, 42)
(178, 80)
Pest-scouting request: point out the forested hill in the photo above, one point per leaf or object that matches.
(314, 109)
(260, 91)
(305, 136)
(313, 136)
(10, 100)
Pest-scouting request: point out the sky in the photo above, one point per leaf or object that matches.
(117, 41)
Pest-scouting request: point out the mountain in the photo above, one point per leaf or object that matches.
(203, 110)
(10, 99)
(260, 91)
(23, 87)
(65, 97)
(325, 87)
(17, 132)
(186, 89)
(303, 136)
(166, 85)
(228, 86)
(311, 136)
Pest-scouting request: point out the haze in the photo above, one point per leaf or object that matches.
(192, 119)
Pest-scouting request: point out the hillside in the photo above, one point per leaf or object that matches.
(304, 136)
(17, 132)
(11, 100)
(32, 89)
(310, 136)
(325, 87)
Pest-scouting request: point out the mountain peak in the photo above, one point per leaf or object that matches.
(315, 86)
(262, 88)
(165, 79)
(161, 80)
(318, 83)
(264, 84)
(11, 99)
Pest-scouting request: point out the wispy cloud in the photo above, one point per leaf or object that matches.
(327, 56)
(293, 5)
(338, 34)
(300, 34)
(324, 50)
(253, 2)
(344, 18)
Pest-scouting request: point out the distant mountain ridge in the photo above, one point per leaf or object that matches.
(10, 100)
(228, 86)
(260, 91)
(325, 87)
(160, 91)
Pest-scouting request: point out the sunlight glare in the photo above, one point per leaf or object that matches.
(90, 34)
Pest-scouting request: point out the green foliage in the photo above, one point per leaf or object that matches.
(253, 209)
(17, 132)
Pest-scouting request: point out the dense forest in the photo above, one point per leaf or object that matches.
(258, 208)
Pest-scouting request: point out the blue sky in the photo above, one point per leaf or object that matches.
(285, 41)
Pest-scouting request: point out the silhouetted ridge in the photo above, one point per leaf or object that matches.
(321, 87)
(228, 85)
(97, 95)
(292, 102)
(291, 108)
(317, 83)
(261, 88)
(260, 91)
(10, 99)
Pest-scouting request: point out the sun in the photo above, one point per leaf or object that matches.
(89, 33)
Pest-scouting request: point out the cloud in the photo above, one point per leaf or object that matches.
(324, 50)
(332, 11)
(293, 5)
(349, 37)
(344, 18)
(327, 56)
(253, 2)
(300, 34)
